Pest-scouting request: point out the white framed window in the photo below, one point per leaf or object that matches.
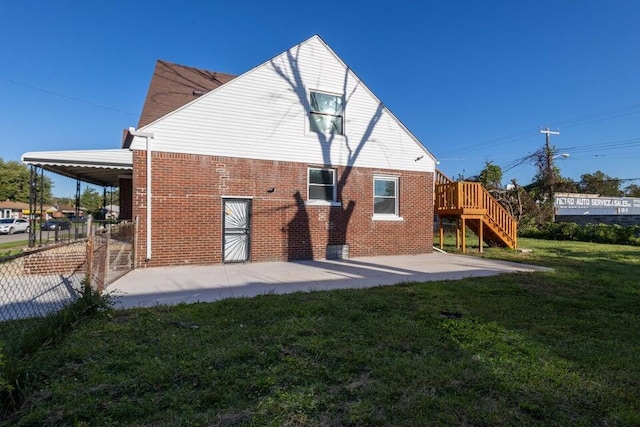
(321, 185)
(327, 113)
(385, 198)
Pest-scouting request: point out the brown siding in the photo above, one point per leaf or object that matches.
(187, 210)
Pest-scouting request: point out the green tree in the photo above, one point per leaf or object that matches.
(600, 183)
(491, 176)
(632, 190)
(63, 201)
(14, 182)
(91, 201)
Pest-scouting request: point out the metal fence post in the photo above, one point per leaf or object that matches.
(105, 274)
(134, 249)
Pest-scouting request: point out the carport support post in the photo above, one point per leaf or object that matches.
(42, 215)
(76, 209)
(104, 202)
(32, 208)
(89, 252)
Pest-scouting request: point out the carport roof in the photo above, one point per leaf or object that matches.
(99, 167)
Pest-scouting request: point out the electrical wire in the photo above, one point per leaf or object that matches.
(72, 98)
(577, 121)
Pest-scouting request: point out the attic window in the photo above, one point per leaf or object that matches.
(327, 113)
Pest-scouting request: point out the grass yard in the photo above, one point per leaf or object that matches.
(12, 248)
(558, 348)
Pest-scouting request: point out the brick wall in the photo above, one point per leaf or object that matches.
(64, 259)
(187, 210)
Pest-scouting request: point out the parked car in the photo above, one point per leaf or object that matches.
(56, 224)
(74, 218)
(14, 225)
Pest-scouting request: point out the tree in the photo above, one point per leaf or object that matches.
(63, 201)
(91, 201)
(14, 182)
(632, 190)
(600, 183)
(491, 176)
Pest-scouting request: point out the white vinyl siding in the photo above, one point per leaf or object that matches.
(263, 114)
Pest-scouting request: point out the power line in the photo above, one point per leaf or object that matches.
(577, 121)
(72, 98)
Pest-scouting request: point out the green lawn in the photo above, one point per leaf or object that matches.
(558, 348)
(12, 248)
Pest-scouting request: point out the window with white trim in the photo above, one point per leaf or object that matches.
(327, 113)
(385, 196)
(322, 184)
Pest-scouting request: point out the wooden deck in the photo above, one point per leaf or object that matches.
(471, 205)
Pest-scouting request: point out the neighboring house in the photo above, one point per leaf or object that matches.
(10, 209)
(294, 159)
(65, 210)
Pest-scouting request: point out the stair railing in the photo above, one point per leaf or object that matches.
(473, 197)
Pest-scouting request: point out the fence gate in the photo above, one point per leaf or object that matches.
(110, 253)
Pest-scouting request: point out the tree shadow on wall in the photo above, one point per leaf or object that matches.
(299, 233)
(339, 216)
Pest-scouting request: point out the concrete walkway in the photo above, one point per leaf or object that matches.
(187, 284)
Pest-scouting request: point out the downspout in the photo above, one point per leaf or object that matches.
(148, 136)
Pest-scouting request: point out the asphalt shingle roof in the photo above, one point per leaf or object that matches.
(173, 85)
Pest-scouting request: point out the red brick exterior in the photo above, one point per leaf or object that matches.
(187, 213)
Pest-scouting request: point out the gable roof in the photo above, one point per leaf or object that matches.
(173, 85)
(311, 63)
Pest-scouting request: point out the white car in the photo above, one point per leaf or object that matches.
(14, 225)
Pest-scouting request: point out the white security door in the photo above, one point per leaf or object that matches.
(236, 214)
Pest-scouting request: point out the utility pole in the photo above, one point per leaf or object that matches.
(550, 173)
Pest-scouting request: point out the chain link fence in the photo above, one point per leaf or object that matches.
(110, 253)
(37, 282)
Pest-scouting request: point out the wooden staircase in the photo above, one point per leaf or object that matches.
(471, 205)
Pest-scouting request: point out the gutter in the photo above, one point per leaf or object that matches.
(148, 136)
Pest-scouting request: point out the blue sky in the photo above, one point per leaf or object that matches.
(473, 80)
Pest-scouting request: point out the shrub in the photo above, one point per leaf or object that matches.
(598, 233)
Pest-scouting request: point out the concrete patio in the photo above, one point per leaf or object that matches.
(189, 284)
